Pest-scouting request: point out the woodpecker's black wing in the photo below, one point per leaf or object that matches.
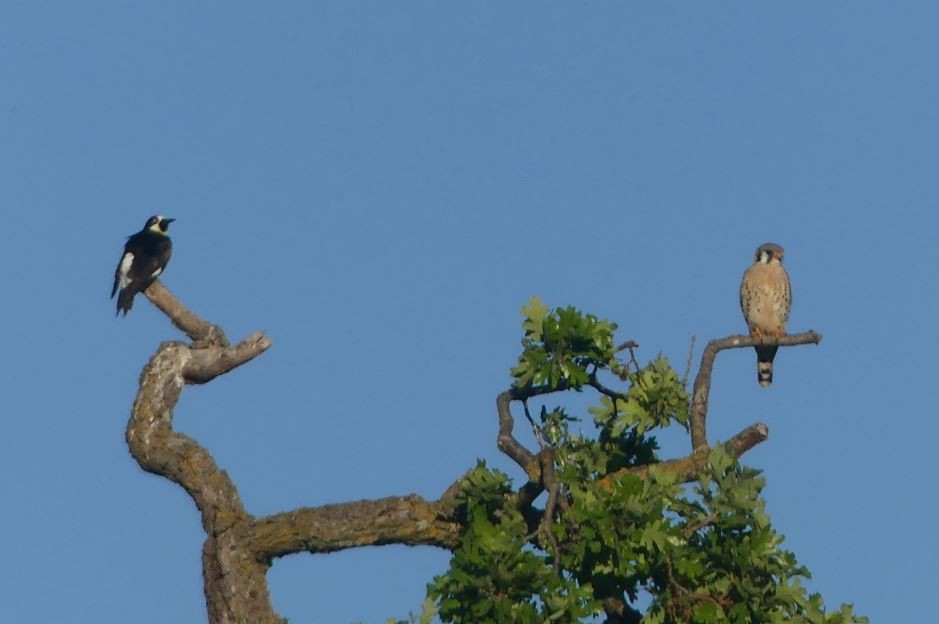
(122, 272)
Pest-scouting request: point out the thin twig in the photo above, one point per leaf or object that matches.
(554, 490)
(684, 378)
(535, 429)
(629, 344)
(632, 358)
(595, 383)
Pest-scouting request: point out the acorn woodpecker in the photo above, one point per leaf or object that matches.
(145, 256)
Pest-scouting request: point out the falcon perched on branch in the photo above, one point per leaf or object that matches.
(145, 256)
(765, 298)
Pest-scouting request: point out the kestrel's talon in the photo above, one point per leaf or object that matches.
(765, 298)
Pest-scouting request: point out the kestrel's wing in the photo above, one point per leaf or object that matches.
(786, 297)
(746, 295)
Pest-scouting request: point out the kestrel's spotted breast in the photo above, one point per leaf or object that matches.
(765, 298)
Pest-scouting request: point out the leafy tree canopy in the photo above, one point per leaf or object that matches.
(615, 538)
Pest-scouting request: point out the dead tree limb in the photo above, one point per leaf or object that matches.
(198, 330)
(238, 549)
(702, 381)
(408, 520)
(235, 583)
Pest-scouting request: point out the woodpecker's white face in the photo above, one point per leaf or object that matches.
(158, 224)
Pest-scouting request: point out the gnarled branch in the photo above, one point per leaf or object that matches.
(235, 584)
(409, 520)
(239, 548)
(702, 381)
(198, 330)
(506, 441)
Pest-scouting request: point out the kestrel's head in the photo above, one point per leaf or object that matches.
(768, 252)
(158, 224)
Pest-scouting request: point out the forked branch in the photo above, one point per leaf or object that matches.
(238, 549)
(686, 468)
(702, 382)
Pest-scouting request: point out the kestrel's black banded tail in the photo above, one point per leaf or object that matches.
(764, 364)
(146, 254)
(765, 298)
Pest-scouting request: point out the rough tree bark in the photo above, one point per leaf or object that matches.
(239, 547)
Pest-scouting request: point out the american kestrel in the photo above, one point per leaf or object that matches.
(765, 298)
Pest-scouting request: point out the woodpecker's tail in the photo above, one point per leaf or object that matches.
(764, 364)
(125, 301)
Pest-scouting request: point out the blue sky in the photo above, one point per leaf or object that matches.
(380, 186)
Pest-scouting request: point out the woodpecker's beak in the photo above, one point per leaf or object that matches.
(168, 221)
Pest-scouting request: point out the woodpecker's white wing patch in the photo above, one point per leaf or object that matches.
(124, 271)
(157, 272)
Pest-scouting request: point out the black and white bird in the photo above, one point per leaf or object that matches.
(146, 254)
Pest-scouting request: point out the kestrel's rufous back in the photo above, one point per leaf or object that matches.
(765, 298)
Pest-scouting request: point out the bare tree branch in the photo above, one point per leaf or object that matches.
(684, 378)
(553, 486)
(507, 443)
(235, 585)
(702, 382)
(238, 548)
(602, 389)
(198, 330)
(409, 520)
(629, 344)
(205, 364)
